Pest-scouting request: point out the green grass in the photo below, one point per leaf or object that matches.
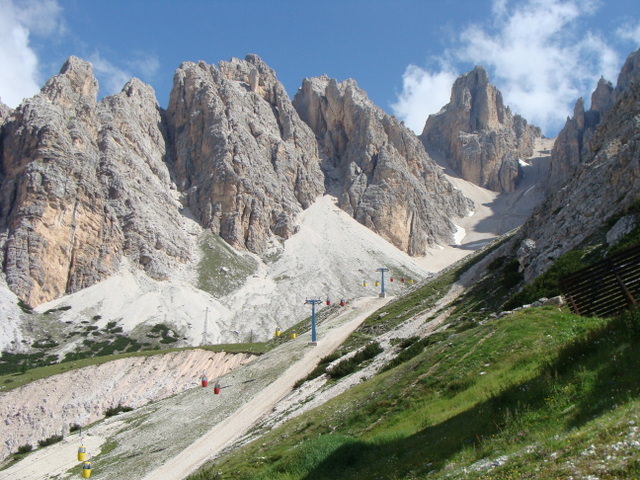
(400, 310)
(522, 386)
(221, 270)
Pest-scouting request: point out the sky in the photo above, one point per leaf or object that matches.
(542, 54)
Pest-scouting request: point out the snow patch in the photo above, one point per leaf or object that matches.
(459, 235)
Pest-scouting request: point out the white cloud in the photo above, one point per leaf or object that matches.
(630, 32)
(111, 77)
(19, 75)
(422, 92)
(536, 54)
(42, 17)
(147, 65)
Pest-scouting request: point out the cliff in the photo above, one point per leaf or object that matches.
(247, 164)
(77, 176)
(377, 168)
(604, 182)
(477, 136)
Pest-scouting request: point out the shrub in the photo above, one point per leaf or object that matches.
(50, 441)
(24, 307)
(407, 342)
(350, 365)
(110, 412)
(46, 343)
(74, 427)
(26, 448)
(319, 370)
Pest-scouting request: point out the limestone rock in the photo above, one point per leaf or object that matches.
(622, 227)
(78, 177)
(477, 136)
(246, 161)
(605, 182)
(5, 111)
(572, 145)
(377, 168)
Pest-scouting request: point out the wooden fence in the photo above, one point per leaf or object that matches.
(605, 288)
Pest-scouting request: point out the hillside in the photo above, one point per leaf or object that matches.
(455, 392)
(324, 226)
(467, 373)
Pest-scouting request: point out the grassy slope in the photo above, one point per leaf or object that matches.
(221, 270)
(538, 387)
(539, 394)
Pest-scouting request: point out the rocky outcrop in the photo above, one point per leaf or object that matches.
(52, 405)
(377, 168)
(477, 136)
(246, 161)
(78, 176)
(5, 111)
(572, 144)
(604, 183)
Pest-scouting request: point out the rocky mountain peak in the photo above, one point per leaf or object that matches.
(474, 94)
(477, 135)
(5, 111)
(602, 96)
(226, 123)
(77, 179)
(601, 163)
(138, 89)
(377, 168)
(572, 144)
(75, 80)
(629, 72)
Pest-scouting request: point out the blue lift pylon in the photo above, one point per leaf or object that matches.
(382, 270)
(313, 303)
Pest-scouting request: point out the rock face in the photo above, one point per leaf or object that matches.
(478, 136)
(605, 181)
(50, 406)
(572, 145)
(377, 168)
(5, 111)
(77, 177)
(246, 161)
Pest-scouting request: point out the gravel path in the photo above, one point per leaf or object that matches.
(206, 447)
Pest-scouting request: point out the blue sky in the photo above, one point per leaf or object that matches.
(542, 54)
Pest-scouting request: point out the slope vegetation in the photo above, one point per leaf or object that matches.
(539, 393)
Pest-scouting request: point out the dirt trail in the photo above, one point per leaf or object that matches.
(234, 426)
(57, 459)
